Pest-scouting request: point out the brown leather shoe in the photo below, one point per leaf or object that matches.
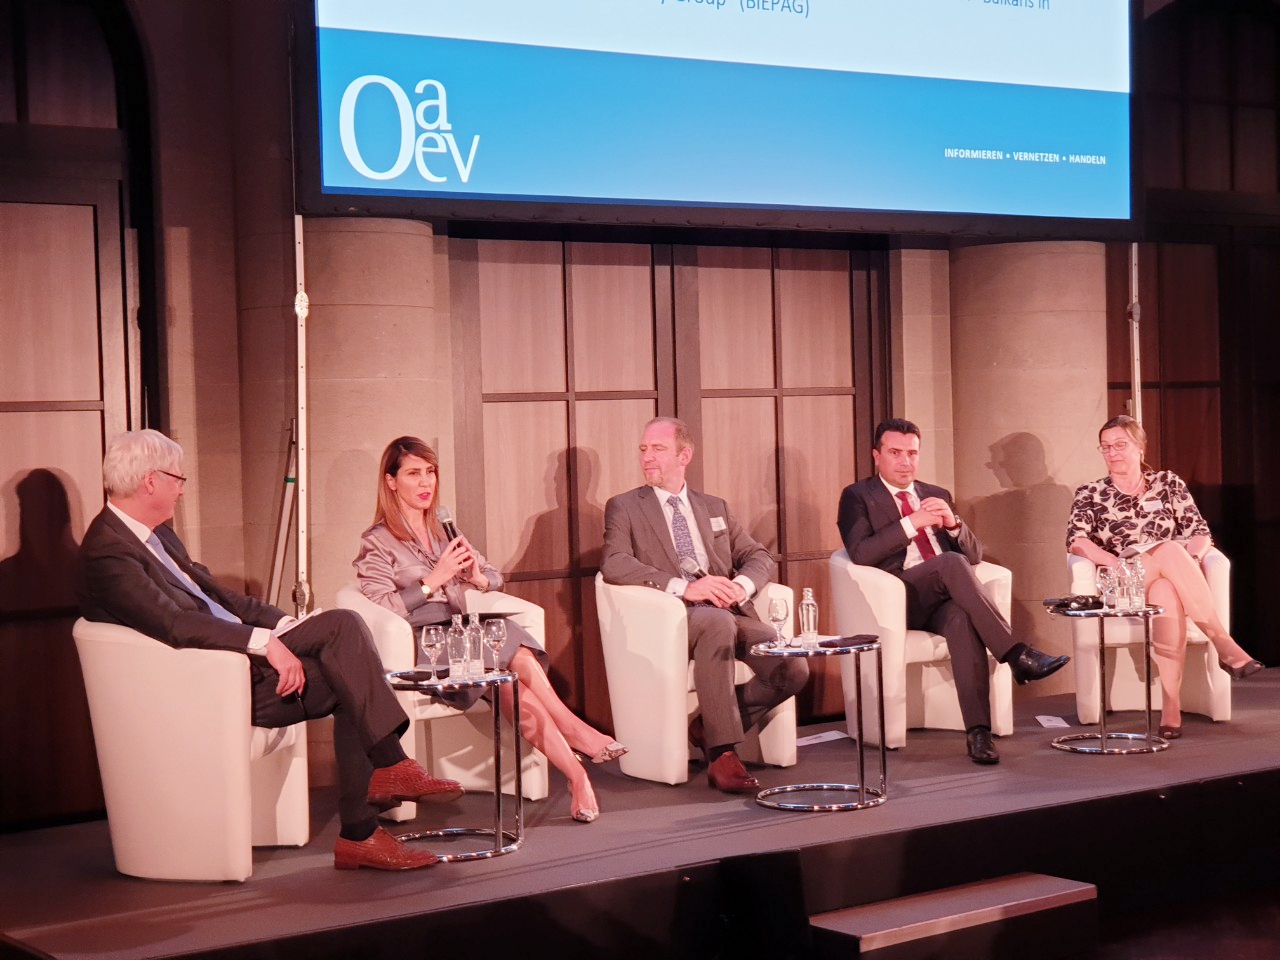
(407, 780)
(726, 773)
(381, 851)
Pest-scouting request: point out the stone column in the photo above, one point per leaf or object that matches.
(1029, 370)
(920, 314)
(380, 367)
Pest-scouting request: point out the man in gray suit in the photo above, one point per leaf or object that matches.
(657, 536)
(910, 529)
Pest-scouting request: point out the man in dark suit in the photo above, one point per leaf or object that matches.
(910, 529)
(133, 570)
(657, 536)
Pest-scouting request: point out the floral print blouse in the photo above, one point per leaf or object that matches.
(1113, 520)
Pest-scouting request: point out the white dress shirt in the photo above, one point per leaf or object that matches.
(913, 550)
(677, 585)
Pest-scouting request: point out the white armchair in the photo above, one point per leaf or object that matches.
(1206, 687)
(190, 785)
(919, 687)
(645, 637)
(451, 743)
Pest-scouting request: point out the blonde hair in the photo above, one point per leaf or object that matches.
(683, 437)
(1135, 431)
(387, 511)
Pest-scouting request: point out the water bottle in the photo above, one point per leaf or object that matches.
(1137, 584)
(456, 641)
(475, 646)
(808, 620)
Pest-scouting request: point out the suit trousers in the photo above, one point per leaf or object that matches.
(717, 639)
(344, 678)
(945, 597)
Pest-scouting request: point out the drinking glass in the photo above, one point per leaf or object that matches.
(432, 643)
(495, 635)
(1106, 581)
(778, 613)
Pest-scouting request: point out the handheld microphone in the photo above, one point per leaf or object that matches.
(689, 566)
(446, 521)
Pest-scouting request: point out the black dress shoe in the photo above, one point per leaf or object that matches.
(982, 748)
(1239, 673)
(1030, 664)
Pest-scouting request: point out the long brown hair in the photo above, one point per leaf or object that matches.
(388, 508)
(1136, 433)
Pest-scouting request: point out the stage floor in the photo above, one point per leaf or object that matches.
(60, 896)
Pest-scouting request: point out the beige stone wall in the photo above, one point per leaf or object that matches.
(920, 314)
(1029, 368)
(380, 367)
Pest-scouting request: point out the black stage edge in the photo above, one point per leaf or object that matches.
(687, 872)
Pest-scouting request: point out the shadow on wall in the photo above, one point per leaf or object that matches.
(1023, 528)
(40, 574)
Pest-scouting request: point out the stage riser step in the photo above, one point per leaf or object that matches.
(1018, 916)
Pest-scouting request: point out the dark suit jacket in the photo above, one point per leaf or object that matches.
(638, 550)
(871, 526)
(118, 580)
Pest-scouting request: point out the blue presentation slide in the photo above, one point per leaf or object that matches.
(1018, 108)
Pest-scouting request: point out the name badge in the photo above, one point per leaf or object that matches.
(1152, 505)
(717, 523)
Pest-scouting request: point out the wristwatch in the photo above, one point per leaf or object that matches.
(959, 524)
(427, 591)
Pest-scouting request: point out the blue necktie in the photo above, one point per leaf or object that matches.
(217, 609)
(683, 538)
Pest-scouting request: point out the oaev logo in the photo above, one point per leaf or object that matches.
(431, 115)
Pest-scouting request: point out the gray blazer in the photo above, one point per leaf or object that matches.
(638, 549)
(390, 572)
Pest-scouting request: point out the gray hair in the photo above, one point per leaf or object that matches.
(134, 454)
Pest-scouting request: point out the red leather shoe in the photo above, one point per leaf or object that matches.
(407, 780)
(727, 774)
(381, 851)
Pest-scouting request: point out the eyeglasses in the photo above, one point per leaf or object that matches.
(1120, 446)
(177, 476)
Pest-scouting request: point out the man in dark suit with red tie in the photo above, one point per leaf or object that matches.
(134, 570)
(910, 529)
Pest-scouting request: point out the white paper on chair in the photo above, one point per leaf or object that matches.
(1052, 722)
(821, 737)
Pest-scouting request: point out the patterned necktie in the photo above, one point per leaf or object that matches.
(683, 538)
(215, 608)
(922, 537)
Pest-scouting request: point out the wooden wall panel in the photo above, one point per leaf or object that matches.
(1162, 144)
(738, 448)
(817, 463)
(824, 696)
(521, 301)
(611, 305)
(814, 318)
(556, 597)
(49, 299)
(1255, 154)
(526, 489)
(735, 316)
(70, 78)
(607, 461)
(1188, 291)
(595, 686)
(1208, 146)
(1255, 60)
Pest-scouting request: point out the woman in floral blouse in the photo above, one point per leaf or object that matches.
(1134, 505)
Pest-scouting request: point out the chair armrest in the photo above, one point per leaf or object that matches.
(866, 599)
(528, 614)
(1083, 575)
(771, 591)
(392, 635)
(998, 582)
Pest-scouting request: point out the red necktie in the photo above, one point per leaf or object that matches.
(922, 538)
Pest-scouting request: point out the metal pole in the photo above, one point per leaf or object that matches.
(1135, 338)
(301, 307)
(286, 517)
